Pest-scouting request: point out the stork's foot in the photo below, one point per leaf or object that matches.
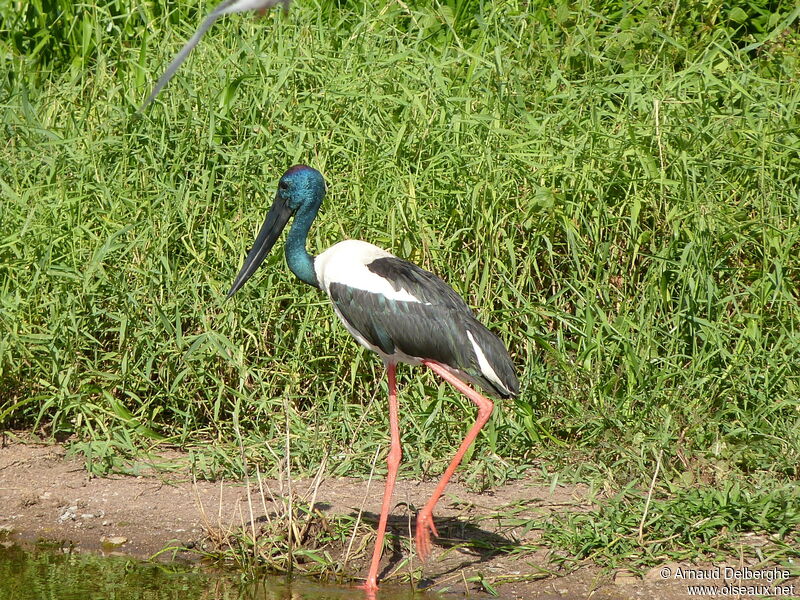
(425, 527)
(370, 587)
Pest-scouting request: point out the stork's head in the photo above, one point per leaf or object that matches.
(300, 190)
(301, 187)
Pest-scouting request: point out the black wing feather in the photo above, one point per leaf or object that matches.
(418, 282)
(434, 328)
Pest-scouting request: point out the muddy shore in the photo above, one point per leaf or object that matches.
(44, 495)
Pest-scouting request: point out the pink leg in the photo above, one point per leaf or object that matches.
(425, 524)
(393, 461)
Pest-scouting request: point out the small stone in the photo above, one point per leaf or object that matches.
(113, 540)
(624, 577)
(67, 515)
(29, 500)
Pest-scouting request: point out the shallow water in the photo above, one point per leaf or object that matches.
(56, 575)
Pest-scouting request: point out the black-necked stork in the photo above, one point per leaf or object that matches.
(226, 7)
(399, 311)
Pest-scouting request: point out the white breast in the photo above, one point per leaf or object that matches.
(346, 263)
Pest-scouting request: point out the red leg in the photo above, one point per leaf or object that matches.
(393, 461)
(425, 524)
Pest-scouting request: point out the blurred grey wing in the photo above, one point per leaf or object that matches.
(223, 8)
(181, 56)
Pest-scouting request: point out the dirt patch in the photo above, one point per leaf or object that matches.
(46, 496)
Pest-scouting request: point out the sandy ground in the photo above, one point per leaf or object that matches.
(46, 496)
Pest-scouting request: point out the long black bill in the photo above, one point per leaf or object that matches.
(276, 220)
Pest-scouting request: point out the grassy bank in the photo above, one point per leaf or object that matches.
(616, 191)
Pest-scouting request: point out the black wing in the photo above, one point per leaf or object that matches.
(434, 328)
(418, 282)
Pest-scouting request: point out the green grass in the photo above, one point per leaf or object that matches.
(614, 189)
(689, 523)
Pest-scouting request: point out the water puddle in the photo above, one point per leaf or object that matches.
(55, 575)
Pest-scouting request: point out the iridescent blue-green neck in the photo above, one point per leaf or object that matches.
(299, 260)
